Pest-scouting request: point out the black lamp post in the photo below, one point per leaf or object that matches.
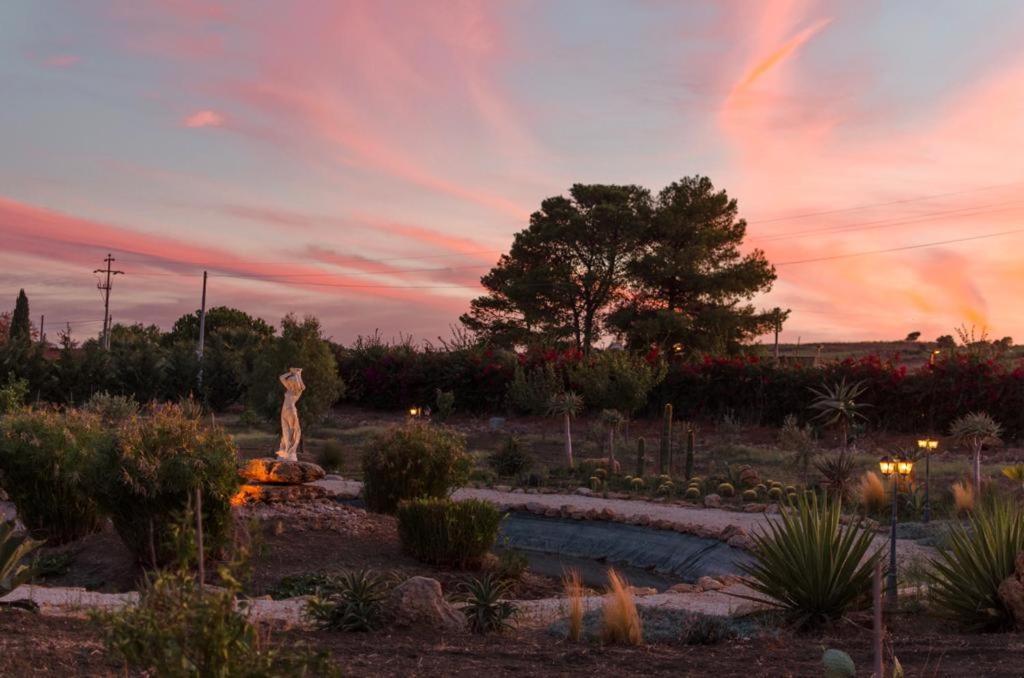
(895, 467)
(927, 447)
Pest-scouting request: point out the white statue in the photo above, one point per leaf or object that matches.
(291, 432)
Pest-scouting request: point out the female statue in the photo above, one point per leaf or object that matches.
(291, 432)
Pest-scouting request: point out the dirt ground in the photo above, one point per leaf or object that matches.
(34, 645)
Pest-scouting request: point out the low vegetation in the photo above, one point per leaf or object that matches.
(448, 533)
(356, 603)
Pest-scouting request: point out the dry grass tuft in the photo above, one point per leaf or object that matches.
(871, 493)
(573, 584)
(963, 497)
(621, 619)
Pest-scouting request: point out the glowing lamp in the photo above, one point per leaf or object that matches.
(904, 467)
(928, 445)
(414, 411)
(887, 466)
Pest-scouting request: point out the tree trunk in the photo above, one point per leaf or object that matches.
(568, 439)
(611, 451)
(977, 471)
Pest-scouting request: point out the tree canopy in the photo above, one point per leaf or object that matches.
(20, 330)
(611, 260)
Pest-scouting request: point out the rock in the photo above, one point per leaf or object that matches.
(418, 603)
(591, 514)
(502, 488)
(272, 494)
(682, 588)
(536, 507)
(577, 514)
(280, 471)
(754, 508)
(553, 512)
(709, 584)
(643, 590)
(749, 477)
(1011, 592)
(712, 501)
(518, 490)
(584, 491)
(730, 531)
(606, 514)
(741, 541)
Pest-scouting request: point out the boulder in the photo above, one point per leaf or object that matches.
(584, 491)
(709, 584)
(682, 588)
(272, 494)
(418, 603)
(1011, 592)
(713, 501)
(280, 471)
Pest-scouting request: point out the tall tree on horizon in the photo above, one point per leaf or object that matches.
(20, 330)
(564, 272)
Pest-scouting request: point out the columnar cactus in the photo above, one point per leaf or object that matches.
(641, 458)
(665, 459)
(690, 435)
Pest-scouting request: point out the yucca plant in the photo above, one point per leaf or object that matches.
(356, 606)
(838, 473)
(974, 431)
(485, 610)
(837, 406)
(13, 550)
(566, 405)
(809, 565)
(965, 577)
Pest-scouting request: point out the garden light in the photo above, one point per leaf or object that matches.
(904, 467)
(414, 412)
(895, 467)
(927, 445)
(887, 466)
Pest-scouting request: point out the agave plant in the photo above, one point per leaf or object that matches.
(485, 610)
(837, 406)
(838, 473)
(566, 405)
(810, 566)
(974, 431)
(357, 605)
(965, 577)
(13, 550)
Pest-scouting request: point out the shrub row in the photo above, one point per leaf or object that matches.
(448, 533)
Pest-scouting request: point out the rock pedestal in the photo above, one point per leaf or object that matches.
(278, 480)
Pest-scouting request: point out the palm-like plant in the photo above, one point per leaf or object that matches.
(966, 575)
(838, 475)
(13, 550)
(613, 420)
(810, 566)
(566, 405)
(974, 431)
(485, 610)
(837, 406)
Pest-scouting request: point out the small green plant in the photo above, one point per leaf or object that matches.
(692, 493)
(356, 604)
(837, 406)
(749, 495)
(485, 610)
(410, 462)
(511, 458)
(448, 533)
(332, 456)
(810, 566)
(838, 664)
(665, 453)
(798, 440)
(306, 584)
(250, 419)
(512, 564)
(13, 551)
(726, 490)
(666, 488)
(52, 564)
(965, 577)
(775, 494)
(637, 484)
(838, 471)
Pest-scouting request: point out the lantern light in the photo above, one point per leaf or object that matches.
(904, 467)
(414, 411)
(886, 465)
(928, 444)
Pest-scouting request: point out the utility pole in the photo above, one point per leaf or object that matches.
(105, 286)
(777, 328)
(202, 333)
(42, 330)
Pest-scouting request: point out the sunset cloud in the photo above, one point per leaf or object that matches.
(205, 118)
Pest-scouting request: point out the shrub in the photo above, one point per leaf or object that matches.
(12, 395)
(332, 456)
(572, 582)
(616, 380)
(871, 493)
(621, 622)
(963, 497)
(810, 566)
(444, 405)
(412, 461)
(485, 610)
(702, 629)
(355, 605)
(965, 577)
(14, 550)
(726, 490)
(837, 471)
(150, 476)
(531, 390)
(306, 584)
(512, 565)
(636, 484)
(448, 533)
(112, 409)
(511, 459)
(45, 457)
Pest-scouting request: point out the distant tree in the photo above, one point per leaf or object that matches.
(301, 344)
(913, 336)
(946, 342)
(138, 362)
(690, 281)
(21, 327)
(564, 272)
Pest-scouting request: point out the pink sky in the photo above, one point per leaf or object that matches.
(367, 161)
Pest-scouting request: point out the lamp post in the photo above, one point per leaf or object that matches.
(927, 447)
(895, 467)
(414, 412)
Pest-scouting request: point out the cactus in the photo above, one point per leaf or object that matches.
(761, 490)
(792, 498)
(749, 495)
(838, 664)
(692, 492)
(775, 494)
(641, 458)
(665, 458)
(666, 488)
(601, 473)
(595, 483)
(691, 434)
(790, 489)
(637, 484)
(727, 490)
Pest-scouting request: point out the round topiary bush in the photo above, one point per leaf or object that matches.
(726, 490)
(775, 494)
(147, 481)
(412, 462)
(749, 495)
(692, 493)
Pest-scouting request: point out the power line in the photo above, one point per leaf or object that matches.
(106, 287)
(899, 249)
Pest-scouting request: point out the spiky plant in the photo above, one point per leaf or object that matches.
(810, 566)
(485, 610)
(837, 406)
(13, 550)
(974, 431)
(566, 405)
(620, 620)
(837, 472)
(572, 581)
(965, 577)
(357, 605)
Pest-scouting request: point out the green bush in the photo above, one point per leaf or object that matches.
(692, 493)
(616, 380)
(412, 461)
(45, 457)
(511, 459)
(448, 533)
(150, 477)
(356, 604)
(112, 409)
(332, 456)
(810, 566)
(12, 395)
(965, 578)
(531, 390)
